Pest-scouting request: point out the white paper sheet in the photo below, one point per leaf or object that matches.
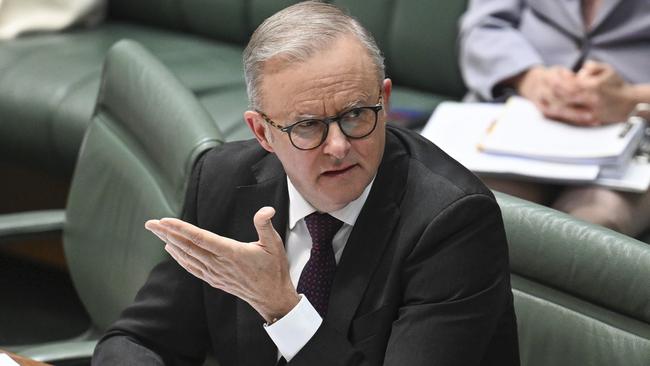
(5, 360)
(457, 128)
(521, 130)
(636, 178)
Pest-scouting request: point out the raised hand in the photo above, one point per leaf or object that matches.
(256, 272)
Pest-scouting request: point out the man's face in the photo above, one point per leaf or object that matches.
(332, 81)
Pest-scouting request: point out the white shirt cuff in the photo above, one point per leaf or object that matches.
(294, 330)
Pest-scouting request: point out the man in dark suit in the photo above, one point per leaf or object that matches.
(368, 244)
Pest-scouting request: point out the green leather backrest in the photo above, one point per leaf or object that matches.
(224, 20)
(418, 37)
(262, 9)
(582, 292)
(160, 13)
(146, 133)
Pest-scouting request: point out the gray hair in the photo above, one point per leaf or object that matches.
(295, 34)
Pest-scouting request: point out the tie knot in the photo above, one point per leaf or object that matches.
(322, 228)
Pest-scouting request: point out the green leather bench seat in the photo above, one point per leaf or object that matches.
(54, 85)
(582, 292)
(49, 83)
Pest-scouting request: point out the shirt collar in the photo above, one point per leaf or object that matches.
(299, 207)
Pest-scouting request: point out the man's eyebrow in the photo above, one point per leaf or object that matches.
(347, 106)
(353, 104)
(304, 116)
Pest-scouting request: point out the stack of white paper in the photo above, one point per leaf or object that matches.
(460, 128)
(521, 130)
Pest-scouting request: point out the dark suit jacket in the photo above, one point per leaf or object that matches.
(423, 279)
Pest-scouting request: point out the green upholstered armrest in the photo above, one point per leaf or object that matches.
(580, 290)
(61, 351)
(30, 223)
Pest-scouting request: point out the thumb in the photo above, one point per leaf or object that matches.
(264, 227)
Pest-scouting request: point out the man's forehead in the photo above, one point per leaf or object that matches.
(323, 100)
(339, 75)
(318, 97)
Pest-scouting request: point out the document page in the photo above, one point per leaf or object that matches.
(521, 130)
(5, 360)
(634, 178)
(457, 129)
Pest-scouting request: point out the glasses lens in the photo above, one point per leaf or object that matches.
(308, 134)
(358, 122)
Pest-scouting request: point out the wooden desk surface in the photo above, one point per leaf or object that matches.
(24, 361)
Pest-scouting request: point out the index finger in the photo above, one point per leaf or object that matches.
(202, 238)
(572, 115)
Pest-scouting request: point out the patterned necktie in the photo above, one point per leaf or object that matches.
(317, 276)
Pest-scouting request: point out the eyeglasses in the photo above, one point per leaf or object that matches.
(308, 134)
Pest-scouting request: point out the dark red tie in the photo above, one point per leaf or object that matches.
(317, 276)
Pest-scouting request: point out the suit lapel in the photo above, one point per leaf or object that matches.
(254, 347)
(573, 13)
(369, 238)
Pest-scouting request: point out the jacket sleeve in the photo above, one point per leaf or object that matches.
(491, 47)
(456, 294)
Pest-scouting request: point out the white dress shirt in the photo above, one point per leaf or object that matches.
(294, 330)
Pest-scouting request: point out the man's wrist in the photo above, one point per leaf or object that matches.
(278, 312)
(293, 331)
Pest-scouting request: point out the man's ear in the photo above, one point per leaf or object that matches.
(386, 87)
(257, 125)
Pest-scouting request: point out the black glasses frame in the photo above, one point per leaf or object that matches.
(327, 121)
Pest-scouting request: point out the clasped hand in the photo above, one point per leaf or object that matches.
(256, 272)
(595, 95)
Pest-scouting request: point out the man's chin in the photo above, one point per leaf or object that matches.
(337, 200)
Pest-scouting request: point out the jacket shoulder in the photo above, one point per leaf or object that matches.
(431, 168)
(231, 162)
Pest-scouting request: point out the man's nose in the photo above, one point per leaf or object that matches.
(336, 144)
